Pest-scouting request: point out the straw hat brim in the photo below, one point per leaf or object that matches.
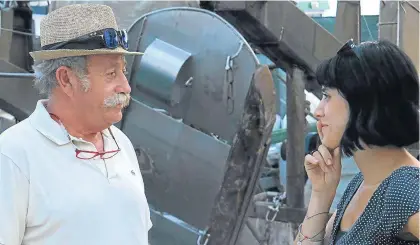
(54, 54)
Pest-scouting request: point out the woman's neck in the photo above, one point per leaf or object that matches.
(378, 163)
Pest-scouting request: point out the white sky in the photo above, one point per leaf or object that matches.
(368, 7)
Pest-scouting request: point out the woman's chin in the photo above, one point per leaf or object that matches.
(330, 144)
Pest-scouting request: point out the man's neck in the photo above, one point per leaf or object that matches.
(376, 164)
(75, 124)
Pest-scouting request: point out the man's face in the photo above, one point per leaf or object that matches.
(108, 90)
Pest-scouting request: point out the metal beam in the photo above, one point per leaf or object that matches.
(347, 23)
(409, 30)
(399, 23)
(295, 138)
(6, 21)
(388, 21)
(282, 32)
(15, 75)
(17, 94)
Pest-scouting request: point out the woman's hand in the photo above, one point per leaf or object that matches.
(324, 168)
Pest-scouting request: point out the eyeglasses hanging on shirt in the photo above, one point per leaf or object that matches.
(86, 155)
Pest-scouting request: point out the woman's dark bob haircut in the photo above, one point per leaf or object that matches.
(381, 86)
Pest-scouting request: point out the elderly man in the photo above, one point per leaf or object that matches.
(67, 176)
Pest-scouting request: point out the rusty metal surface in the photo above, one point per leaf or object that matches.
(245, 161)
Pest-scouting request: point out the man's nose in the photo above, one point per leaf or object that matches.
(124, 86)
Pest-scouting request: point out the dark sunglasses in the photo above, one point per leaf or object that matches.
(349, 46)
(106, 38)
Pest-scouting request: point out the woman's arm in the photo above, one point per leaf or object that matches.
(315, 224)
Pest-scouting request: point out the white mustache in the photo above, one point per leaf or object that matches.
(117, 99)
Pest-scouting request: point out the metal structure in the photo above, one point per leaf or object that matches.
(399, 23)
(201, 87)
(203, 108)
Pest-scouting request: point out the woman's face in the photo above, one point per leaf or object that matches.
(332, 114)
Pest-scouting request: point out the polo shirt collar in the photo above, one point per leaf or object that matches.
(41, 120)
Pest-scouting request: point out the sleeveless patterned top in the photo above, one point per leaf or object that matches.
(394, 201)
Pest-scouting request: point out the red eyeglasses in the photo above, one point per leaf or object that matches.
(86, 155)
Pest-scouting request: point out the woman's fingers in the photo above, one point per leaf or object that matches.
(326, 155)
(337, 154)
(319, 129)
(309, 159)
(321, 161)
(311, 162)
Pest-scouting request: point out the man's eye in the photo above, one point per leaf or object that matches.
(325, 95)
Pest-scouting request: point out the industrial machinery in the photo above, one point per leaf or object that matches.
(202, 111)
(201, 118)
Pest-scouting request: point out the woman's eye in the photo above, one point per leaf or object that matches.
(325, 95)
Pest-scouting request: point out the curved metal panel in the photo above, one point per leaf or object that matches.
(182, 170)
(219, 70)
(159, 69)
(197, 54)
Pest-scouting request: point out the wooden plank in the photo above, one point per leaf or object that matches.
(295, 137)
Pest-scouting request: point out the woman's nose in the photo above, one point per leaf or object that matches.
(319, 111)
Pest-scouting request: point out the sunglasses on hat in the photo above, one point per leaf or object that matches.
(106, 38)
(349, 46)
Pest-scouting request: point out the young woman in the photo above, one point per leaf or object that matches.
(370, 110)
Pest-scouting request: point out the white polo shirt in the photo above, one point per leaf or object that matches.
(50, 197)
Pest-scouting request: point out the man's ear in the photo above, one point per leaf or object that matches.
(66, 80)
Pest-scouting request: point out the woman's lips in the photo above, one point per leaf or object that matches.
(323, 125)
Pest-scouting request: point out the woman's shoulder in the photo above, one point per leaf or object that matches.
(404, 180)
(401, 191)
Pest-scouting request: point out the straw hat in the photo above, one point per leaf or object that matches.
(73, 21)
